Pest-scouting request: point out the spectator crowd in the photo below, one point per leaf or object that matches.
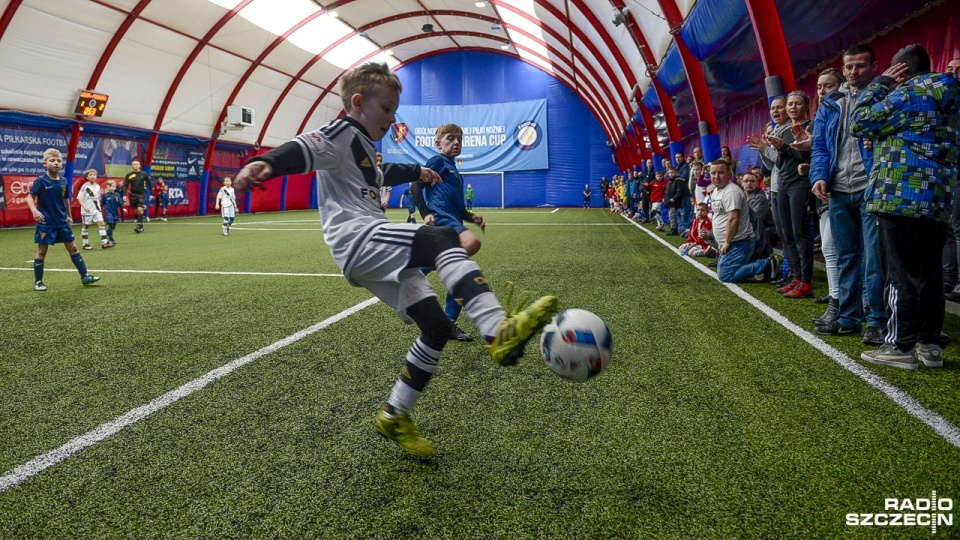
(862, 172)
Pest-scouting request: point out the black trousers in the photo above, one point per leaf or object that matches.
(794, 207)
(912, 253)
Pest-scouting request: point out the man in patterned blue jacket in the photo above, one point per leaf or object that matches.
(913, 117)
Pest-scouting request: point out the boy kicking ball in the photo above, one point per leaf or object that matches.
(384, 257)
(48, 205)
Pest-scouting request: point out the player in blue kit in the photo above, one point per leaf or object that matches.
(406, 201)
(112, 204)
(48, 204)
(443, 204)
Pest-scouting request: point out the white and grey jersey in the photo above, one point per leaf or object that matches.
(348, 184)
(89, 198)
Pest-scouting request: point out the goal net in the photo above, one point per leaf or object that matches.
(487, 188)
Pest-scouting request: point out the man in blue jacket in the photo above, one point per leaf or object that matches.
(839, 172)
(913, 117)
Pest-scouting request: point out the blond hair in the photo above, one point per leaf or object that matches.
(51, 152)
(445, 129)
(88, 171)
(365, 79)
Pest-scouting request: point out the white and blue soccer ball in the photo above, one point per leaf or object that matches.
(576, 345)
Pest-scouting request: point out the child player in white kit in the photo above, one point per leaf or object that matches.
(90, 211)
(227, 203)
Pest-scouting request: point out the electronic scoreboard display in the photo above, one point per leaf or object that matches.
(90, 104)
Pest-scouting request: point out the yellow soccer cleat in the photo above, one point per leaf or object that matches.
(521, 324)
(400, 428)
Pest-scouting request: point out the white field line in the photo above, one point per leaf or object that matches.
(105, 430)
(555, 211)
(206, 272)
(940, 425)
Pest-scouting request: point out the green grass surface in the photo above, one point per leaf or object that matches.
(713, 421)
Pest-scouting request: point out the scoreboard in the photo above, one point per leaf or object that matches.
(90, 103)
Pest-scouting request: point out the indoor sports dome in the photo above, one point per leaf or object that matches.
(552, 94)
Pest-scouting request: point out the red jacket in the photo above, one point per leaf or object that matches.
(657, 189)
(698, 224)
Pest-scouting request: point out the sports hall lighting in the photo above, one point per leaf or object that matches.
(317, 35)
(533, 28)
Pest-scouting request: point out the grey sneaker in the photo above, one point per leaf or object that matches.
(39, 286)
(888, 355)
(88, 279)
(931, 355)
(873, 336)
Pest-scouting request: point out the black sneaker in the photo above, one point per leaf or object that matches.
(837, 329)
(459, 335)
(873, 336)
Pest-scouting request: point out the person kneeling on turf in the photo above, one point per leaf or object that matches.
(732, 229)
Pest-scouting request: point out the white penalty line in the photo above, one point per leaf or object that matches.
(103, 431)
(203, 272)
(940, 425)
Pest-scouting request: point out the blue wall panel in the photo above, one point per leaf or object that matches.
(578, 153)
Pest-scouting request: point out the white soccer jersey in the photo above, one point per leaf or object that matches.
(89, 199)
(348, 185)
(227, 197)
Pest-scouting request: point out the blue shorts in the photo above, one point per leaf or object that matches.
(53, 235)
(446, 220)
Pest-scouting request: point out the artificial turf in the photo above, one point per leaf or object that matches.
(713, 421)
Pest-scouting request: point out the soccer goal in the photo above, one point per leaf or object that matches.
(487, 188)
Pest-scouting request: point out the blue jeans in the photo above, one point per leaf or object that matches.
(859, 270)
(734, 268)
(686, 214)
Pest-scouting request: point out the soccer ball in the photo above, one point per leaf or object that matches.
(576, 345)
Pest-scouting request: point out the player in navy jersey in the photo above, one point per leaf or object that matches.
(112, 204)
(49, 206)
(406, 201)
(443, 204)
(386, 257)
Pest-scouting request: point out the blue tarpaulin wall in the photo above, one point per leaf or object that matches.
(577, 151)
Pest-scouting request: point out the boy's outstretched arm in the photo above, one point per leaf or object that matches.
(253, 174)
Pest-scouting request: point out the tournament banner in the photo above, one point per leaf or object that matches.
(496, 136)
(21, 151)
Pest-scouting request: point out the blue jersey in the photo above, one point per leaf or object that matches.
(111, 204)
(445, 200)
(408, 201)
(51, 200)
